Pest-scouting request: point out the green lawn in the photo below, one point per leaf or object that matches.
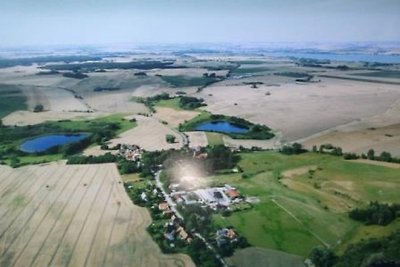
(170, 103)
(214, 139)
(11, 99)
(295, 221)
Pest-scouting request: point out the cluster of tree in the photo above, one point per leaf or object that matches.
(170, 138)
(140, 73)
(150, 161)
(124, 166)
(383, 156)
(38, 108)
(350, 156)
(92, 66)
(51, 72)
(187, 102)
(219, 157)
(11, 62)
(343, 67)
(334, 150)
(202, 255)
(188, 81)
(253, 84)
(197, 218)
(337, 151)
(293, 74)
(383, 252)
(75, 147)
(75, 75)
(100, 89)
(293, 149)
(376, 213)
(328, 149)
(80, 159)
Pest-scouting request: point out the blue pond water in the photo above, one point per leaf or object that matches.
(222, 127)
(43, 143)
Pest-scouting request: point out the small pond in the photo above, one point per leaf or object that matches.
(45, 142)
(222, 127)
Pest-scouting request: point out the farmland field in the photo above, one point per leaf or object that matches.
(58, 215)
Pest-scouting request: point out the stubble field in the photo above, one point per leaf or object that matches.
(63, 215)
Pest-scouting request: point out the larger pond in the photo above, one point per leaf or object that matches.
(222, 127)
(45, 142)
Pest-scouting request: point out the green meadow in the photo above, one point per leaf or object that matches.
(302, 200)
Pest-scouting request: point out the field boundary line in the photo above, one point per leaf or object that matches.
(299, 221)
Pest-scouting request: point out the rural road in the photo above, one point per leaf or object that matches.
(169, 200)
(172, 204)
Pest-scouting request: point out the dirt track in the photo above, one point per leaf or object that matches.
(57, 215)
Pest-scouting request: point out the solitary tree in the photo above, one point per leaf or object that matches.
(385, 156)
(371, 154)
(38, 108)
(170, 138)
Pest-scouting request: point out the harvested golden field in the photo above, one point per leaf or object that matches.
(74, 215)
(149, 134)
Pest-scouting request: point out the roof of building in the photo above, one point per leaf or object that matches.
(163, 206)
(232, 193)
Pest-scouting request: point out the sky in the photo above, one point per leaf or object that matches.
(85, 22)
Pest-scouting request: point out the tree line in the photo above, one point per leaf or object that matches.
(374, 252)
(376, 213)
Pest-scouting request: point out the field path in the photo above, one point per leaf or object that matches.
(300, 222)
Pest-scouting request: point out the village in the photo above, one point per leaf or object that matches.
(167, 204)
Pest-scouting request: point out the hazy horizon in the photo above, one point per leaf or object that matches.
(27, 22)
